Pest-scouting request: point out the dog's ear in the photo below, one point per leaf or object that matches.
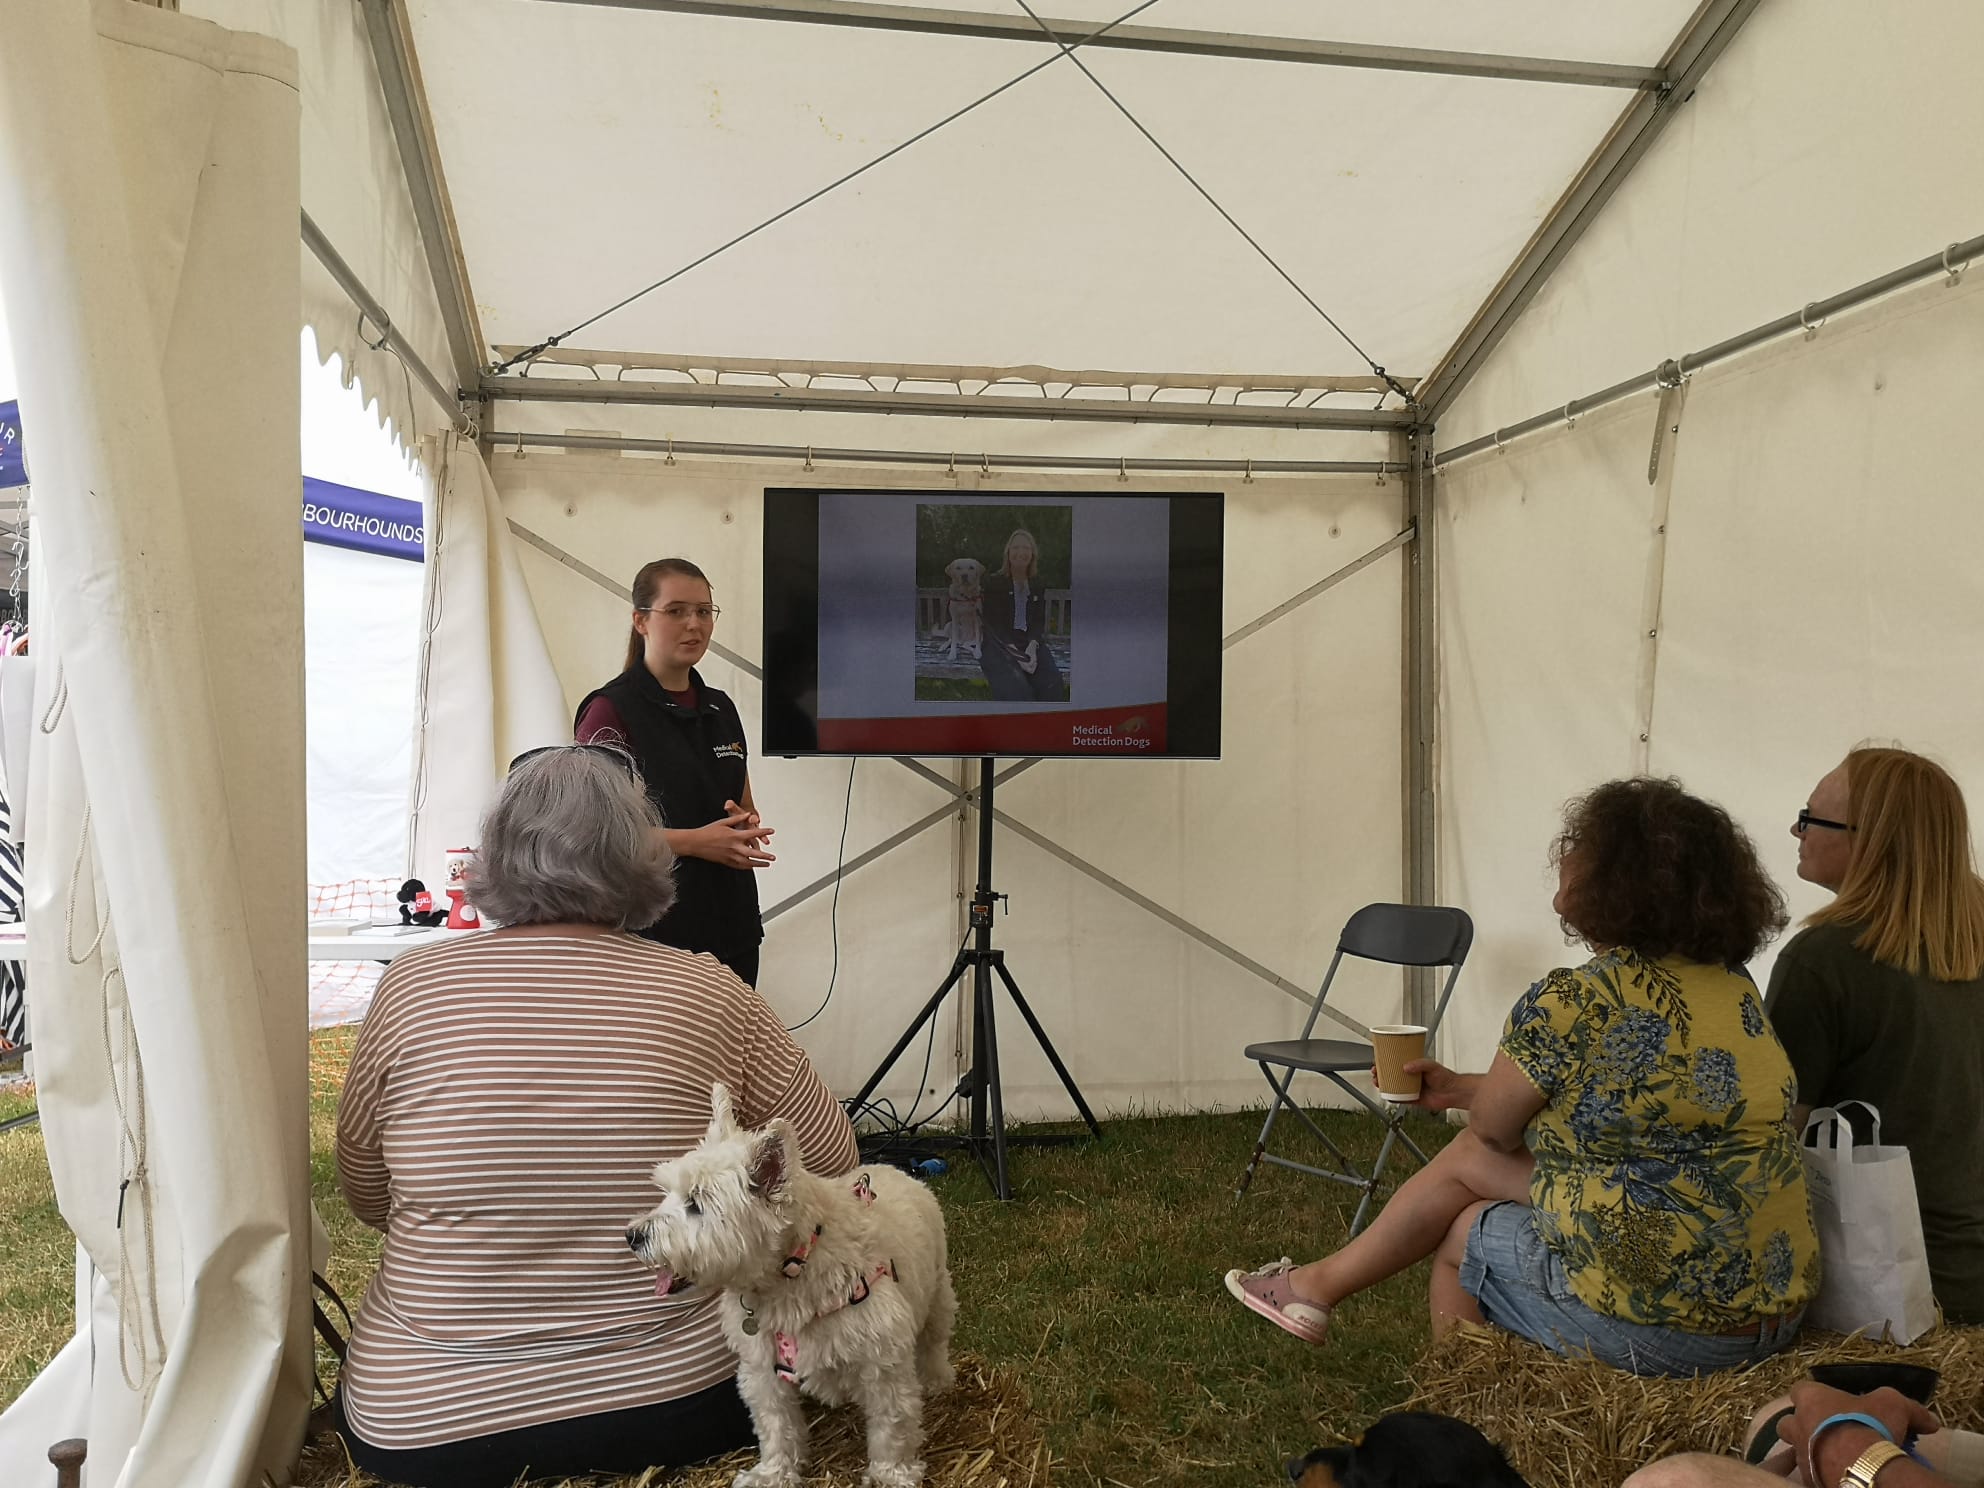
(723, 1120)
(774, 1157)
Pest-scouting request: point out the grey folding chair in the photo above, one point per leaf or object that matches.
(1400, 935)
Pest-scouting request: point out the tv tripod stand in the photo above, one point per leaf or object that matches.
(986, 1137)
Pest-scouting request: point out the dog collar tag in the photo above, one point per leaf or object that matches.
(750, 1323)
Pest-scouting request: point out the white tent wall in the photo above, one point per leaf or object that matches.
(146, 239)
(1811, 567)
(1267, 851)
(487, 690)
(361, 623)
(1834, 141)
(1818, 588)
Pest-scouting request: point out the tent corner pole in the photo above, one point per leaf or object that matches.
(1420, 698)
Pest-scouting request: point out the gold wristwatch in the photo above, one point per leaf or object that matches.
(1867, 1466)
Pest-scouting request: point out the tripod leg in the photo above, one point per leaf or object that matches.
(929, 1011)
(1040, 1037)
(987, 1059)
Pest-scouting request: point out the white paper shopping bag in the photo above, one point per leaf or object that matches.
(1870, 1231)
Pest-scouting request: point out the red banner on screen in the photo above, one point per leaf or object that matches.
(1135, 729)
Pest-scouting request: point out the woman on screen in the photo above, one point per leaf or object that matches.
(689, 742)
(1015, 658)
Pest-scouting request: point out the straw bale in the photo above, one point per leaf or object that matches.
(979, 1434)
(1573, 1423)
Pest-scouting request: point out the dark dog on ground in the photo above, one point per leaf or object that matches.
(1410, 1449)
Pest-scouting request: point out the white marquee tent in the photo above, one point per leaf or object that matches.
(1516, 501)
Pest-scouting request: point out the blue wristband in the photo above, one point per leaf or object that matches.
(1845, 1418)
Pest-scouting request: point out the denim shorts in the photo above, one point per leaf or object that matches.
(1522, 1288)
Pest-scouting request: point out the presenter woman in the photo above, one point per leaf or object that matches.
(689, 742)
(1015, 658)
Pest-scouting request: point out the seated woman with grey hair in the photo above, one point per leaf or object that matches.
(508, 1096)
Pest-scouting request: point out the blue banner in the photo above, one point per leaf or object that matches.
(346, 517)
(13, 454)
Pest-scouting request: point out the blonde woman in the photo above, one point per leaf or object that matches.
(1016, 661)
(1881, 997)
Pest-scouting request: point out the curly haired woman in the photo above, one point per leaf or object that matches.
(1629, 1183)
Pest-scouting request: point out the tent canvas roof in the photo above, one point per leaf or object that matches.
(591, 149)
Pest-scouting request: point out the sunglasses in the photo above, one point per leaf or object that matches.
(1806, 819)
(618, 755)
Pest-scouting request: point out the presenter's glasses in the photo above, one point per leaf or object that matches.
(680, 614)
(1807, 820)
(621, 757)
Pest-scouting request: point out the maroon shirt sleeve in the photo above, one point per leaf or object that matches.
(600, 724)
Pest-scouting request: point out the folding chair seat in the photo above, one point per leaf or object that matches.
(1394, 934)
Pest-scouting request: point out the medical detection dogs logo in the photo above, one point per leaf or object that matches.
(728, 751)
(1131, 733)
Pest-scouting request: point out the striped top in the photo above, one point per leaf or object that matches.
(507, 1099)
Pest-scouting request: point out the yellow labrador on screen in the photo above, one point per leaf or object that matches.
(965, 605)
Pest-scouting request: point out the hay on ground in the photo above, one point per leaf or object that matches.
(981, 1433)
(1573, 1423)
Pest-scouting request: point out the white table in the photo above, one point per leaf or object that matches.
(382, 943)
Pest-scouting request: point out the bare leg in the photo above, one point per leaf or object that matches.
(1417, 1219)
(1446, 1298)
(1698, 1470)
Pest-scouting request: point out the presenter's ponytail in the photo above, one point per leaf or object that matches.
(647, 583)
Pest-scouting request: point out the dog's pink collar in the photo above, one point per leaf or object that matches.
(785, 1347)
(795, 1261)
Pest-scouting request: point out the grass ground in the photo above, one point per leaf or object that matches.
(1100, 1286)
(953, 690)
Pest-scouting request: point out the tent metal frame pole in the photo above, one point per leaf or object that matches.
(390, 34)
(1421, 702)
(390, 338)
(938, 405)
(1952, 261)
(972, 23)
(955, 462)
(1708, 33)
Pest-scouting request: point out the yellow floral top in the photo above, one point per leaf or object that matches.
(1668, 1179)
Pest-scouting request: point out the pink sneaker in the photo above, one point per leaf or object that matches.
(1267, 1292)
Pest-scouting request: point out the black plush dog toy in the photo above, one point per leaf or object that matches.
(1409, 1449)
(417, 905)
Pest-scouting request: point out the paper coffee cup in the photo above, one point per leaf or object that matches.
(1396, 1044)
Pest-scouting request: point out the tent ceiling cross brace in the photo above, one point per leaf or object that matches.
(971, 23)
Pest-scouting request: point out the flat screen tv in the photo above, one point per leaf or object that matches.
(1021, 623)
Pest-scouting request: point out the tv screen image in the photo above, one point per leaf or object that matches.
(948, 623)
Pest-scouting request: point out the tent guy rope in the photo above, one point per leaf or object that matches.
(1231, 221)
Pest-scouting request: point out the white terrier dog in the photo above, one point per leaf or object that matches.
(963, 605)
(834, 1286)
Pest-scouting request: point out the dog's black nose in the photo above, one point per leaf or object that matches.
(1294, 1467)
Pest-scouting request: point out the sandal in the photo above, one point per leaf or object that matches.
(1267, 1292)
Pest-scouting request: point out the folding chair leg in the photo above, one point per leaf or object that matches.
(1261, 1142)
(1377, 1176)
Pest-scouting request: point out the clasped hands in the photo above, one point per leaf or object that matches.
(736, 839)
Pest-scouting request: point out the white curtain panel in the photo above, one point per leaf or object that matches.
(147, 249)
(488, 690)
(354, 189)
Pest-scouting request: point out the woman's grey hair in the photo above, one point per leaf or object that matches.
(573, 839)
